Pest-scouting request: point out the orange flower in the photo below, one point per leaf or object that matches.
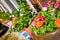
(39, 24)
(57, 22)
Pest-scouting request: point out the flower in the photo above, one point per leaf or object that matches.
(39, 24)
(57, 22)
(40, 17)
(34, 23)
(21, 14)
(44, 8)
(47, 4)
(56, 5)
(53, 10)
(57, 1)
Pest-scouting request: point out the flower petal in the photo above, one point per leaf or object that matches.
(56, 5)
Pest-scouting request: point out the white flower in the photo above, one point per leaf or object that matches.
(52, 13)
(21, 14)
(53, 10)
(44, 8)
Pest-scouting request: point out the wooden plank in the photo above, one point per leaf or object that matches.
(40, 3)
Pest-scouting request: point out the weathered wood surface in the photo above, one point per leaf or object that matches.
(40, 3)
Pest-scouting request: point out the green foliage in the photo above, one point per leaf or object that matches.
(15, 13)
(22, 21)
(5, 16)
(1, 14)
(48, 25)
(18, 23)
(41, 30)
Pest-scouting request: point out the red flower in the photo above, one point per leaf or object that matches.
(38, 23)
(40, 17)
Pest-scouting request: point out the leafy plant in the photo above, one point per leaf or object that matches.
(22, 16)
(50, 15)
(1, 14)
(5, 16)
(15, 13)
(22, 20)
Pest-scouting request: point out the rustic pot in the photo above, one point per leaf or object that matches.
(55, 35)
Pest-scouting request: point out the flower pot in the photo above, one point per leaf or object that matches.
(55, 35)
(51, 35)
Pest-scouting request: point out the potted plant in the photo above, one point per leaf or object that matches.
(46, 21)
